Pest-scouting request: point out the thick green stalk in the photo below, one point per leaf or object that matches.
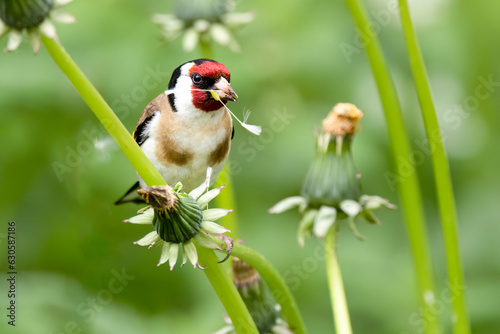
(242, 321)
(219, 279)
(407, 184)
(104, 113)
(276, 283)
(337, 294)
(441, 173)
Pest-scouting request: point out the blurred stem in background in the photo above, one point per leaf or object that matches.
(219, 278)
(337, 294)
(408, 187)
(441, 173)
(206, 49)
(226, 198)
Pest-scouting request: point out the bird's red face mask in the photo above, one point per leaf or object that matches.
(210, 76)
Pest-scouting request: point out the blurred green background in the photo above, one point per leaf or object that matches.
(71, 241)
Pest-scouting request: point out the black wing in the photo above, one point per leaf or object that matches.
(131, 196)
(140, 134)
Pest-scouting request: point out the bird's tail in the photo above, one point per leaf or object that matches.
(131, 196)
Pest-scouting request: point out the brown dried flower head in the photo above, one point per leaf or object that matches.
(342, 119)
(244, 275)
(159, 197)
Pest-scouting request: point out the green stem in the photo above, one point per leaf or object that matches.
(219, 279)
(441, 172)
(104, 113)
(206, 49)
(280, 290)
(242, 321)
(337, 294)
(407, 183)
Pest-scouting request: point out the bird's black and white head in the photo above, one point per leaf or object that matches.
(191, 83)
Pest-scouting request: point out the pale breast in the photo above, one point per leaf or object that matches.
(182, 152)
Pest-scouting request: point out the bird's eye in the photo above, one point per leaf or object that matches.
(197, 78)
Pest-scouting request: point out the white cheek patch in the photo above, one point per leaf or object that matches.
(183, 96)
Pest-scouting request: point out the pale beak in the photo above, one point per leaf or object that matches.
(224, 90)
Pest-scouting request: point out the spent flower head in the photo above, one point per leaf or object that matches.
(33, 16)
(258, 299)
(203, 20)
(179, 219)
(332, 188)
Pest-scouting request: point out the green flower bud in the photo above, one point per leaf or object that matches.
(33, 17)
(24, 14)
(179, 222)
(203, 22)
(210, 10)
(177, 216)
(332, 175)
(332, 188)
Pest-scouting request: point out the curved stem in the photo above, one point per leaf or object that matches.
(441, 172)
(406, 183)
(220, 280)
(337, 294)
(276, 283)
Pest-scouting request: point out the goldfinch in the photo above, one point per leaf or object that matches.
(187, 128)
